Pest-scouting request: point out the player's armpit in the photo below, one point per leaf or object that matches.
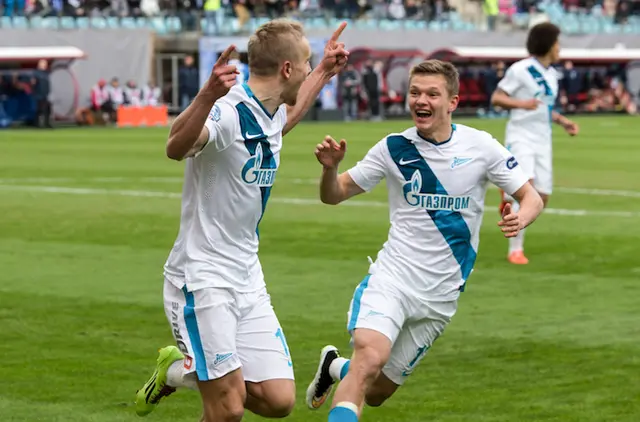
(531, 204)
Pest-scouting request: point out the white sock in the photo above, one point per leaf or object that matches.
(336, 368)
(176, 377)
(516, 243)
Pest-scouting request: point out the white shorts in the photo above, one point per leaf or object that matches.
(536, 162)
(411, 325)
(220, 330)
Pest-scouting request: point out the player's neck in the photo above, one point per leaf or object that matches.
(437, 136)
(544, 61)
(264, 90)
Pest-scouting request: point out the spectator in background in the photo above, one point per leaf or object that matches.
(490, 77)
(41, 92)
(116, 94)
(372, 88)
(350, 90)
(151, 94)
(214, 14)
(132, 94)
(188, 82)
(571, 85)
(241, 8)
(491, 10)
(100, 101)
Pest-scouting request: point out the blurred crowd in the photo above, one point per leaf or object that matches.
(216, 10)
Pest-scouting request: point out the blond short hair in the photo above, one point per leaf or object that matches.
(438, 67)
(273, 43)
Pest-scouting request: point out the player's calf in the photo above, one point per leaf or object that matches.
(380, 391)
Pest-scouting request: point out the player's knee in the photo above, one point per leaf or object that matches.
(227, 411)
(227, 406)
(282, 405)
(368, 361)
(275, 398)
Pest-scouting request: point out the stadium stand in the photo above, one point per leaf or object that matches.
(239, 16)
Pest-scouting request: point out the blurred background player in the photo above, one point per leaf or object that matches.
(437, 176)
(529, 90)
(231, 346)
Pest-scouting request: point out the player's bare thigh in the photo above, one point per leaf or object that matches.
(266, 359)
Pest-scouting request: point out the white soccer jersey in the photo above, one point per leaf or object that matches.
(226, 188)
(524, 80)
(436, 202)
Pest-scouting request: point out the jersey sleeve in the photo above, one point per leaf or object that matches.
(222, 124)
(510, 82)
(370, 171)
(504, 170)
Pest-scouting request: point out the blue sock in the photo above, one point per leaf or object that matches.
(339, 368)
(344, 370)
(343, 412)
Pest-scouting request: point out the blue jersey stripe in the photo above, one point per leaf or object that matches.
(451, 224)
(191, 322)
(542, 82)
(249, 125)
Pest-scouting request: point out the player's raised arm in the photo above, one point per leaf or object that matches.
(188, 133)
(334, 187)
(334, 60)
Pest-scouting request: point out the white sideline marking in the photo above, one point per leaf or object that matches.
(292, 201)
(574, 191)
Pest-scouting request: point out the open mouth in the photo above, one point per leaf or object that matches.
(423, 114)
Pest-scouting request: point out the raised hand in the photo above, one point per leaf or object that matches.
(329, 153)
(223, 75)
(510, 223)
(335, 55)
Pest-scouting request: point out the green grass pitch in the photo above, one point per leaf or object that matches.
(87, 218)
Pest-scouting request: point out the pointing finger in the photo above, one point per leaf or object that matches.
(224, 57)
(338, 32)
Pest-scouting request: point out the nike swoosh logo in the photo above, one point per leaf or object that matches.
(250, 136)
(404, 163)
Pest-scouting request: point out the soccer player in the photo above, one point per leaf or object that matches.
(529, 89)
(437, 175)
(231, 346)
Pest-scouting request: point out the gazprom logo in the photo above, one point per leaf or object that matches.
(252, 174)
(430, 201)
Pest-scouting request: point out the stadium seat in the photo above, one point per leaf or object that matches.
(112, 22)
(67, 22)
(35, 22)
(128, 23)
(98, 22)
(53, 22)
(173, 24)
(20, 22)
(82, 23)
(158, 25)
